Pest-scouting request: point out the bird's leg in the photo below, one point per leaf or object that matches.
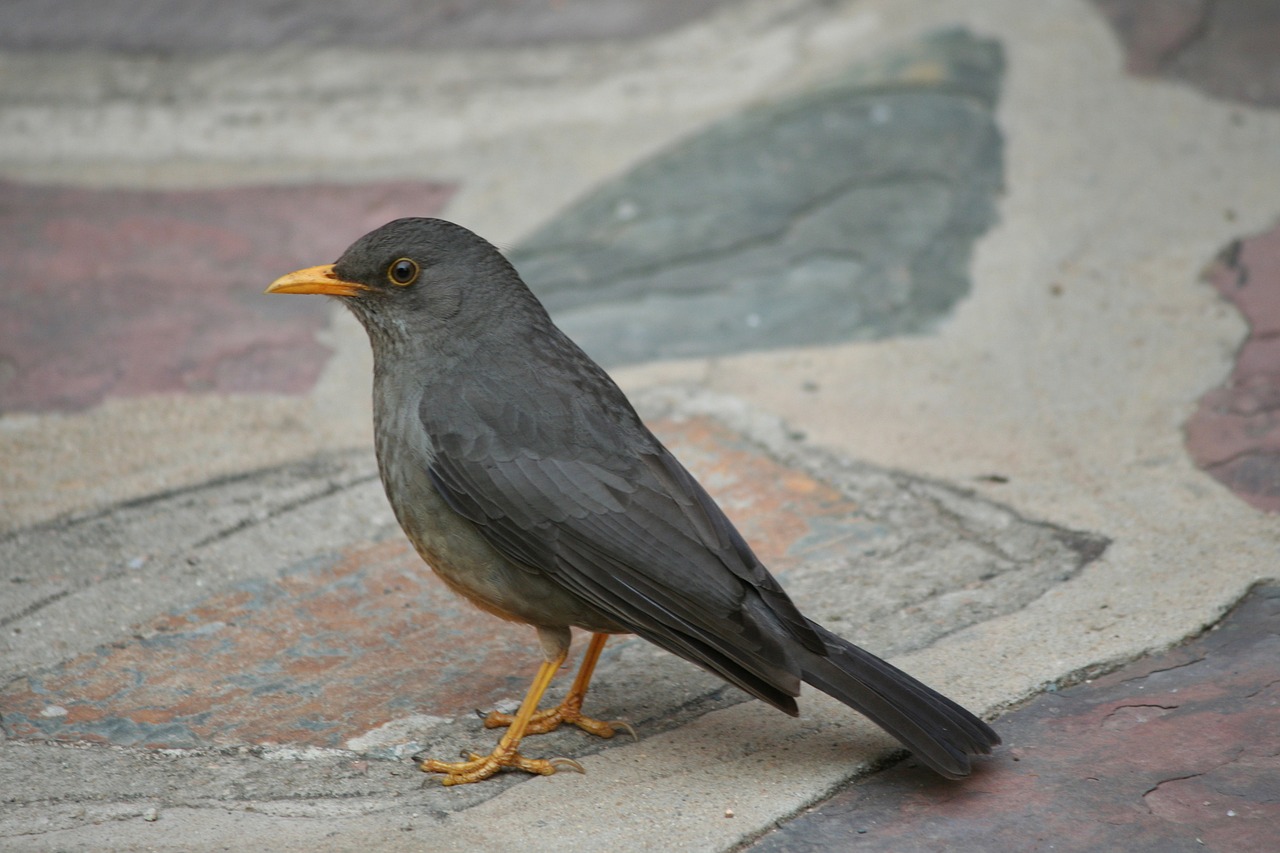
(479, 767)
(570, 710)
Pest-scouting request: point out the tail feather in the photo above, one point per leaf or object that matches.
(941, 733)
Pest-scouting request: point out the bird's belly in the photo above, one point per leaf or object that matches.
(457, 552)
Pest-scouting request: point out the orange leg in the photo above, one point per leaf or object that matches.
(570, 710)
(505, 754)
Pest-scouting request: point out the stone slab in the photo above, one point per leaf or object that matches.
(123, 293)
(847, 212)
(1175, 751)
(1234, 433)
(1228, 49)
(299, 644)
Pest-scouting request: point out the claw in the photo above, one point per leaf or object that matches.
(623, 724)
(528, 720)
(568, 762)
(480, 767)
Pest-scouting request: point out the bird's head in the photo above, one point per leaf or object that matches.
(422, 282)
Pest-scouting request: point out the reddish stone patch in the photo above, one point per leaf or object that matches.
(118, 293)
(317, 656)
(1235, 432)
(1228, 49)
(333, 649)
(1177, 751)
(1154, 31)
(782, 512)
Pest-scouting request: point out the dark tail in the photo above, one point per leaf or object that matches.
(940, 733)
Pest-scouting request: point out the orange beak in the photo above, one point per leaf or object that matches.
(321, 279)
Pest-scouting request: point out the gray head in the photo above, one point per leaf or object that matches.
(425, 284)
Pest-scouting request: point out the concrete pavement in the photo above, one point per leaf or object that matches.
(965, 311)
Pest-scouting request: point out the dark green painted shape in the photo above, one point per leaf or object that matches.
(847, 212)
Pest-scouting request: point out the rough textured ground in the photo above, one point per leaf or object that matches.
(1172, 752)
(965, 311)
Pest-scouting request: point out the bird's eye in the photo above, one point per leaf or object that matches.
(403, 272)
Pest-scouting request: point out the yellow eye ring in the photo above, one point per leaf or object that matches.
(403, 272)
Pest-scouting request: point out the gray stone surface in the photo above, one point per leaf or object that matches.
(844, 213)
(82, 580)
(905, 563)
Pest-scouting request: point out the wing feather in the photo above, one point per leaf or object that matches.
(590, 499)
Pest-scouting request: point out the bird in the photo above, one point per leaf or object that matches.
(525, 479)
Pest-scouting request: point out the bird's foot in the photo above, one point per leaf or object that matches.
(551, 719)
(477, 768)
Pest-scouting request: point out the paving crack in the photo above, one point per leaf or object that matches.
(1262, 689)
(62, 523)
(1206, 771)
(281, 509)
(1183, 664)
(123, 570)
(36, 606)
